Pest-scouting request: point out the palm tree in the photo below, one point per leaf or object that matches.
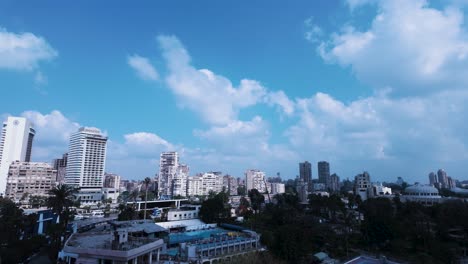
(60, 200)
(146, 182)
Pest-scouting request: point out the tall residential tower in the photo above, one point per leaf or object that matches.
(305, 174)
(15, 145)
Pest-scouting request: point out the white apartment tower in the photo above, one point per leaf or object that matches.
(86, 158)
(255, 179)
(168, 166)
(15, 145)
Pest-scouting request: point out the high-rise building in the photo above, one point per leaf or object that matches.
(442, 178)
(305, 174)
(255, 179)
(111, 181)
(362, 185)
(61, 166)
(26, 179)
(324, 173)
(15, 145)
(230, 184)
(432, 179)
(179, 181)
(301, 189)
(168, 164)
(86, 158)
(334, 183)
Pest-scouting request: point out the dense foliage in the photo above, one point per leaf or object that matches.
(402, 231)
(215, 209)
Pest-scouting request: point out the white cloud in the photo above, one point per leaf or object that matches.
(23, 51)
(409, 46)
(415, 131)
(313, 31)
(280, 99)
(143, 68)
(212, 96)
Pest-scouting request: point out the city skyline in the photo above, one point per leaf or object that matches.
(341, 81)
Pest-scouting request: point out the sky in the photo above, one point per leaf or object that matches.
(377, 86)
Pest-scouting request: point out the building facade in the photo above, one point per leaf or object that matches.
(255, 179)
(26, 179)
(179, 181)
(15, 145)
(111, 180)
(334, 185)
(194, 186)
(305, 173)
(324, 173)
(86, 158)
(276, 188)
(61, 166)
(168, 165)
(362, 185)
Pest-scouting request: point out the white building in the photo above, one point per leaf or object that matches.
(183, 213)
(194, 186)
(15, 145)
(111, 180)
(276, 188)
(424, 194)
(379, 190)
(86, 158)
(26, 179)
(168, 165)
(179, 182)
(362, 185)
(255, 179)
(204, 183)
(212, 181)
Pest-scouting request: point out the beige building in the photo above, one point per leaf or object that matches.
(29, 179)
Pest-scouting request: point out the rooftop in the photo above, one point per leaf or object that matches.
(134, 226)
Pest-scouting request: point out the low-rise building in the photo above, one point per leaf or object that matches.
(424, 194)
(183, 213)
(29, 179)
(123, 242)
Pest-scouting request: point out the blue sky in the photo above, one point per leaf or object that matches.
(367, 85)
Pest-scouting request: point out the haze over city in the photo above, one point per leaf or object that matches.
(378, 86)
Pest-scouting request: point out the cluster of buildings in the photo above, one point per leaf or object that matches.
(83, 166)
(305, 185)
(441, 180)
(174, 180)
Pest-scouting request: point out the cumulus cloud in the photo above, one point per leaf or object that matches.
(412, 131)
(23, 51)
(410, 46)
(212, 96)
(143, 68)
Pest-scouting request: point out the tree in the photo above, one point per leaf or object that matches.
(17, 238)
(126, 213)
(256, 199)
(60, 200)
(146, 182)
(215, 208)
(241, 191)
